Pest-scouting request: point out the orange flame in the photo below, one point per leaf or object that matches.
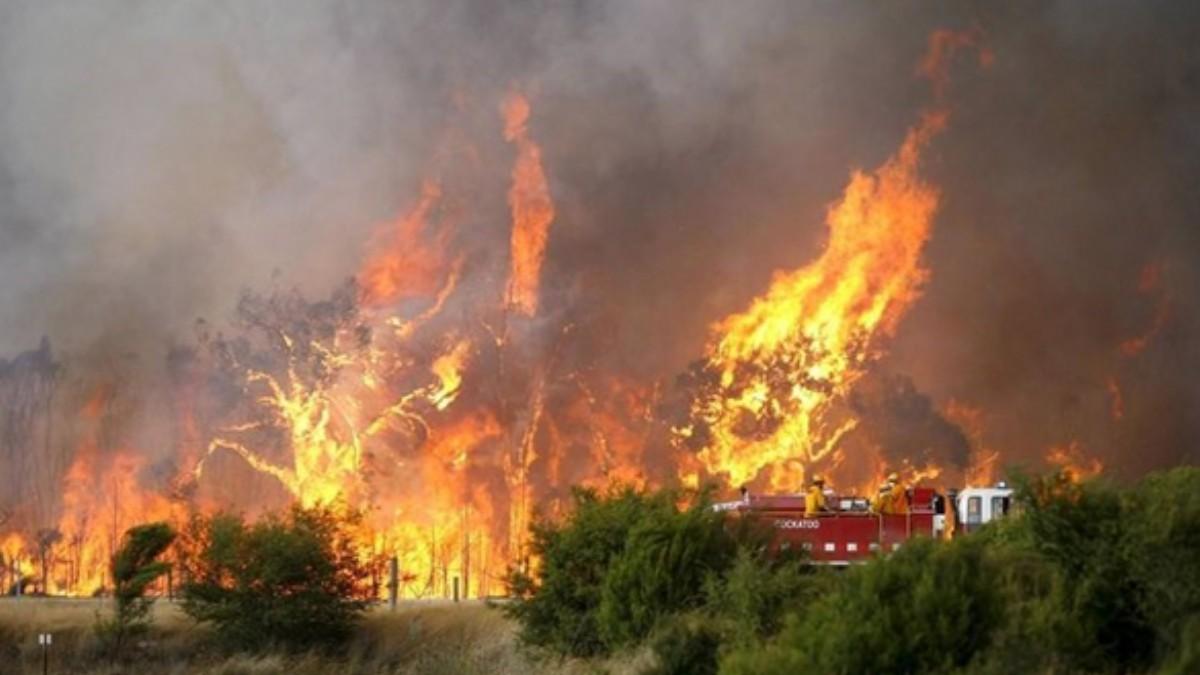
(407, 265)
(819, 324)
(1149, 282)
(394, 407)
(532, 209)
(1071, 460)
(786, 362)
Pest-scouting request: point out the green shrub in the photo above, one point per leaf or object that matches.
(557, 607)
(134, 567)
(686, 644)
(928, 608)
(748, 603)
(1082, 530)
(743, 606)
(1185, 659)
(619, 562)
(1162, 547)
(292, 581)
(662, 570)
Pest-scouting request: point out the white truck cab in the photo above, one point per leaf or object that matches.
(976, 506)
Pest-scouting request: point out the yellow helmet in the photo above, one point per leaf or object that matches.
(818, 479)
(893, 477)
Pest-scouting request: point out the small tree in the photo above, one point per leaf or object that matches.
(557, 605)
(294, 581)
(619, 564)
(134, 568)
(662, 570)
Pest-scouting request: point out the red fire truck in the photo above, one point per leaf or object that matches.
(849, 532)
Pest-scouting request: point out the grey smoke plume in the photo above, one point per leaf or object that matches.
(155, 158)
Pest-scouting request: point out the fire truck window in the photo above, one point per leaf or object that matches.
(998, 507)
(974, 510)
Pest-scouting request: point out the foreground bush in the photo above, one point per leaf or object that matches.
(662, 570)
(1162, 550)
(750, 601)
(929, 608)
(686, 644)
(292, 581)
(614, 567)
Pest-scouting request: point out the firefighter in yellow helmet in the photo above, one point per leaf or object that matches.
(899, 497)
(814, 498)
(883, 499)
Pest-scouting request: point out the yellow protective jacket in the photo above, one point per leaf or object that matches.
(899, 500)
(814, 501)
(883, 501)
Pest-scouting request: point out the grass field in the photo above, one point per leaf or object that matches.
(420, 637)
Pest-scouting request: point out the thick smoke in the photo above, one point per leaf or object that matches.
(904, 424)
(157, 158)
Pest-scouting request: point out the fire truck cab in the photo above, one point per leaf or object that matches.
(977, 506)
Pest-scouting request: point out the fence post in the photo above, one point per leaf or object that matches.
(393, 581)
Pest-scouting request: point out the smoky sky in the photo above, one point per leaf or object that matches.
(158, 157)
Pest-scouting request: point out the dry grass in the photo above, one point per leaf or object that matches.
(419, 638)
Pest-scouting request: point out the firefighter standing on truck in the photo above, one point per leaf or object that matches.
(899, 502)
(814, 499)
(883, 499)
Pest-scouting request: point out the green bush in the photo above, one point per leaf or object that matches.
(1082, 532)
(928, 608)
(618, 563)
(1185, 659)
(134, 567)
(686, 644)
(293, 581)
(1162, 547)
(557, 608)
(743, 606)
(662, 570)
(748, 603)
